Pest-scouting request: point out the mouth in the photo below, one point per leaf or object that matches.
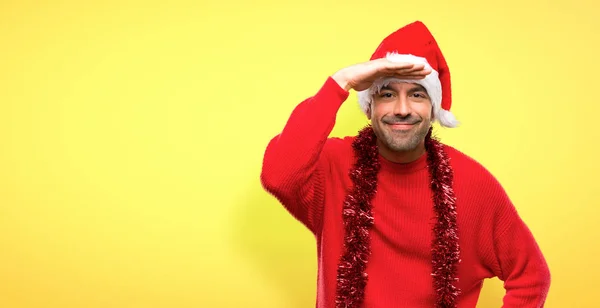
(401, 126)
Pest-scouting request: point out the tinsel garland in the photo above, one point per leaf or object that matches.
(352, 277)
(358, 220)
(445, 249)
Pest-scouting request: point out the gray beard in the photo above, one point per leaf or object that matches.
(401, 142)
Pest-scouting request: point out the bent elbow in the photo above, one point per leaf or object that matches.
(268, 179)
(545, 277)
(273, 178)
(276, 171)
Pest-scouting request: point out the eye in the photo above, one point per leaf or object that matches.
(386, 95)
(419, 95)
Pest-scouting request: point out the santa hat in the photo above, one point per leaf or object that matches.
(414, 43)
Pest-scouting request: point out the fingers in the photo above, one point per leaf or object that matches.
(414, 72)
(401, 66)
(409, 69)
(391, 67)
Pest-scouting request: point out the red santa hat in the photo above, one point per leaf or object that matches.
(414, 43)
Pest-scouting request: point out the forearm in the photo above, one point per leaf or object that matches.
(309, 125)
(291, 161)
(525, 271)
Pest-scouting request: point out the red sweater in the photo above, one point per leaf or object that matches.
(307, 171)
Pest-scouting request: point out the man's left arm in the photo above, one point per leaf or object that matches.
(523, 268)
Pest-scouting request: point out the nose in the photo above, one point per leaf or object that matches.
(402, 106)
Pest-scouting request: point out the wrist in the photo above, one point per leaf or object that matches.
(341, 81)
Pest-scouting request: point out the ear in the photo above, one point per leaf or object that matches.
(369, 111)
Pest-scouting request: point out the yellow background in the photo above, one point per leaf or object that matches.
(132, 133)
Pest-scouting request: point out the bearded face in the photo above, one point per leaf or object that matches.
(401, 115)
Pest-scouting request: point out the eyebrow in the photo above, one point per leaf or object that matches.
(416, 88)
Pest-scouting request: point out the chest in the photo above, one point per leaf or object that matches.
(404, 215)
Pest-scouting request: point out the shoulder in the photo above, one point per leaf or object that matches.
(464, 165)
(339, 150)
(339, 144)
(476, 182)
(460, 158)
(480, 192)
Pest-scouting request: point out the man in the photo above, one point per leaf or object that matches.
(400, 219)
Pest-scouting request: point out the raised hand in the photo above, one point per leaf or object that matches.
(361, 76)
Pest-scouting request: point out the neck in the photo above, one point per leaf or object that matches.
(401, 157)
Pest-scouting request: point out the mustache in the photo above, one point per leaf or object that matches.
(401, 120)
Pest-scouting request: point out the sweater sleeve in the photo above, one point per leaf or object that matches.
(521, 264)
(295, 166)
